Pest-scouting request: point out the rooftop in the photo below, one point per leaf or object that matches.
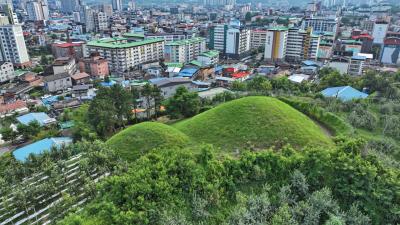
(39, 147)
(211, 53)
(122, 42)
(41, 117)
(187, 41)
(344, 93)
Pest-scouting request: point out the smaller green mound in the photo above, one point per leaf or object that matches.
(253, 122)
(137, 140)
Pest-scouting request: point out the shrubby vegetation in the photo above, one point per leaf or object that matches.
(335, 186)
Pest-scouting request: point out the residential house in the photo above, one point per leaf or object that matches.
(80, 78)
(95, 66)
(344, 93)
(64, 65)
(168, 86)
(57, 82)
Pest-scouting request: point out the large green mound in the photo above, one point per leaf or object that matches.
(137, 140)
(253, 122)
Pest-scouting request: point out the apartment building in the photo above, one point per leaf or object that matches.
(94, 65)
(184, 51)
(122, 54)
(275, 45)
(12, 45)
(301, 44)
(37, 10)
(258, 38)
(100, 22)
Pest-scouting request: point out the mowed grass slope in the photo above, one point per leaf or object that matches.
(137, 140)
(257, 122)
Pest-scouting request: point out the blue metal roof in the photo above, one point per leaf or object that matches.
(187, 72)
(344, 93)
(311, 63)
(41, 117)
(39, 147)
(108, 84)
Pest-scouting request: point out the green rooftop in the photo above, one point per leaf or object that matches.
(174, 64)
(196, 63)
(121, 42)
(187, 41)
(211, 53)
(279, 28)
(136, 35)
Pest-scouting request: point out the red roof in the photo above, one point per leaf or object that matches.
(6, 108)
(362, 36)
(240, 74)
(67, 45)
(392, 41)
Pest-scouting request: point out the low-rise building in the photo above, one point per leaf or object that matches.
(6, 71)
(57, 82)
(67, 49)
(80, 78)
(64, 65)
(168, 86)
(95, 66)
(356, 65)
(208, 58)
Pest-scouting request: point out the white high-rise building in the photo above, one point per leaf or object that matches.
(37, 10)
(117, 5)
(237, 42)
(217, 37)
(69, 6)
(258, 38)
(12, 44)
(379, 31)
(275, 45)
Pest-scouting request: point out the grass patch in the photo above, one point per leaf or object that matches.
(253, 122)
(138, 139)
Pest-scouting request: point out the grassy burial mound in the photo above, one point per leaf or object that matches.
(255, 122)
(137, 140)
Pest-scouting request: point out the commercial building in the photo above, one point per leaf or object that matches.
(184, 51)
(237, 42)
(122, 54)
(301, 44)
(218, 37)
(275, 45)
(6, 71)
(379, 31)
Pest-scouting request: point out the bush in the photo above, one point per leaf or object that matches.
(362, 118)
(330, 120)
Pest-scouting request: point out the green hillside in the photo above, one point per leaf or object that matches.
(137, 140)
(256, 122)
